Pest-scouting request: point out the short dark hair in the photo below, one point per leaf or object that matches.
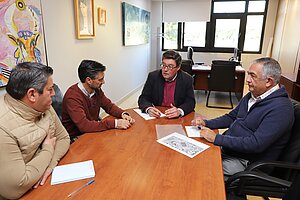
(171, 54)
(28, 75)
(89, 68)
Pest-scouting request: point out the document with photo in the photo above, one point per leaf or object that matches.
(146, 116)
(183, 144)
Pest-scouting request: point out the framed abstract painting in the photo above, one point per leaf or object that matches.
(21, 36)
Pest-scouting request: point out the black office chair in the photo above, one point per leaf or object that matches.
(57, 101)
(277, 179)
(221, 78)
(190, 52)
(186, 66)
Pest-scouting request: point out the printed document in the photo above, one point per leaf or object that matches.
(72, 172)
(146, 116)
(183, 144)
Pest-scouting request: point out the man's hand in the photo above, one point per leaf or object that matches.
(50, 139)
(208, 134)
(43, 179)
(198, 122)
(154, 112)
(123, 124)
(172, 112)
(128, 118)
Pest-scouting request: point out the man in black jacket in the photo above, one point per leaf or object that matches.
(170, 87)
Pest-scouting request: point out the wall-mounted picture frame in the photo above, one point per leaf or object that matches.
(136, 25)
(101, 16)
(84, 18)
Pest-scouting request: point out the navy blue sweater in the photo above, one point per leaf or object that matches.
(261, 133)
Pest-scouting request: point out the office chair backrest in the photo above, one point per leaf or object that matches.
(291, 153)
(222, 76)
(186, 66)
(57, 101)
(190, 52)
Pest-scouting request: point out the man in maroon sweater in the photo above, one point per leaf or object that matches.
(83, 100)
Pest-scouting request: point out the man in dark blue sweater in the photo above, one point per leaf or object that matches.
(258, 128)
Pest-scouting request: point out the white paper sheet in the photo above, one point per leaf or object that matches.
(193, 131)
(183, 144)
(201, 67)
(72, 172)
(145, 115)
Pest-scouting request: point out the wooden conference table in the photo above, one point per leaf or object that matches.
(201, 79)
(130, 164)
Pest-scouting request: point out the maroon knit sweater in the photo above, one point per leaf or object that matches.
(80, 113)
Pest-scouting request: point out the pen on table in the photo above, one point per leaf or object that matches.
(88, 183)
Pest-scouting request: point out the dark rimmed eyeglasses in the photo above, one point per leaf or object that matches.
(162, 65)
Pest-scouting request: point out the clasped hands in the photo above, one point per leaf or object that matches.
(172, 112)
(206, 133)
(125, 122)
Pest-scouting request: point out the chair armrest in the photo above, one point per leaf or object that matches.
(258, 176)
(278, 164)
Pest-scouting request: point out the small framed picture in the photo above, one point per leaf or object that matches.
(84, 15)
(101, 15)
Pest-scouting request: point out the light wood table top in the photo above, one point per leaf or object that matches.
(131, 164)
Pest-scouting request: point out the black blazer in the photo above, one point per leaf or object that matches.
(153, 91)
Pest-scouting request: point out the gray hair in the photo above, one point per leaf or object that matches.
(28, 75)
(270, 68)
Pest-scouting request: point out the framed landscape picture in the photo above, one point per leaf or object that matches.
(136, 25)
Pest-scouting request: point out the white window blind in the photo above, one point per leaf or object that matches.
(186, 11)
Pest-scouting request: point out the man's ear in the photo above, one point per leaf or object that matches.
(269, 82)
(88, 80)
(31, 95)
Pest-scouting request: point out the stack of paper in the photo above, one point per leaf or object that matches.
(73, 172)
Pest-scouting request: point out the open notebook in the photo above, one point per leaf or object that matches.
(72, 172)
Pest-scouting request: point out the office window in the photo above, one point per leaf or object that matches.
(170, 35)
(233, 24)
(253, 33)
(227, 33)
(229, 7)
(257, 6)
(194, 34)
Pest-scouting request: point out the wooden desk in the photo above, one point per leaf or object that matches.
(201, 79)
(292, 86)
(130, 164)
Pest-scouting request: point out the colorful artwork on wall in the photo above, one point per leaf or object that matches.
(136, 25)
(21, 35)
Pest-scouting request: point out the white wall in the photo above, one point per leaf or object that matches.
(127, 67)
(208, 57)
(286, 47)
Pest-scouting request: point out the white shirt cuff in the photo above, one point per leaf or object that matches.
(181, 112)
